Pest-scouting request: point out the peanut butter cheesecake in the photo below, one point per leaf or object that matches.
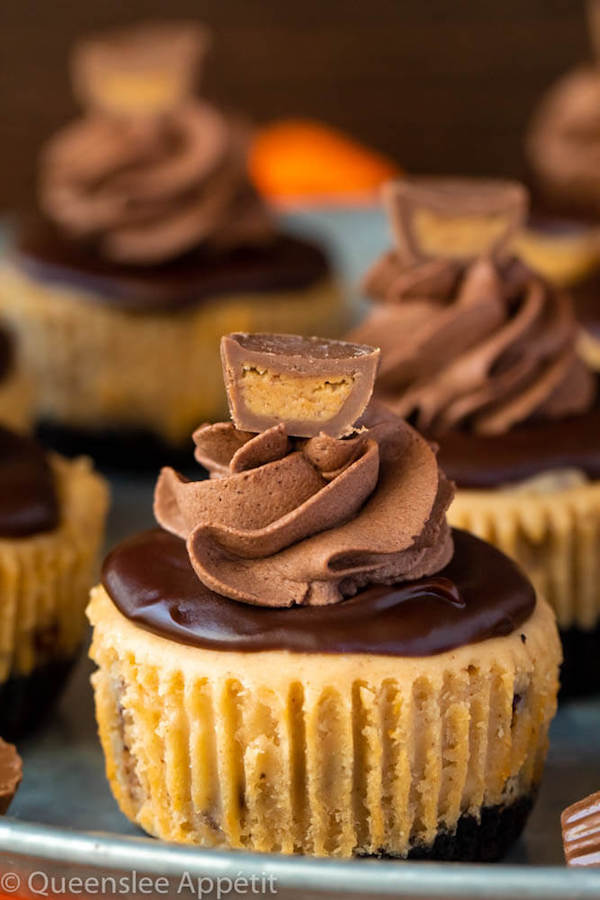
(479, 352)
(16, 387)
(149, 244)
(304, 658)
(52, 513)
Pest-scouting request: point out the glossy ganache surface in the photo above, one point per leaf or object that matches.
(285, 263)
(490, 461)
(480, 594)
(28, 499)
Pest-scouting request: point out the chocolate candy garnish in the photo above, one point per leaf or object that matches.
(139, 70)
(11, 773)
(311, 385)
(581, 832)
(453, 217)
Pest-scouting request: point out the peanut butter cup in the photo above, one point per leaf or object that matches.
(304, 658)
(581, 832)
(149, 242)
(11, 774)
(480, 353)
(311, 385)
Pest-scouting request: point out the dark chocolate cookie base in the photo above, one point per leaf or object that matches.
(580, 673)
(27, 700)
(487, 839)
(121, 449)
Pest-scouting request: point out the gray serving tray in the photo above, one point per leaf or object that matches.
(64, 824)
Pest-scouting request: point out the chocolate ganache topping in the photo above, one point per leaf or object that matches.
(28, 500)
(473, 339)
(324, 544)
(480, 594)
(149, 171)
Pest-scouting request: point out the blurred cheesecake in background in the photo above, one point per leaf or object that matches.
(16, 386)
(563, 154)
(148, 244)
(479, 352)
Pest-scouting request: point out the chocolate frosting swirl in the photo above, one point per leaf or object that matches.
(483, 343)
(286, 522)
(148, 184)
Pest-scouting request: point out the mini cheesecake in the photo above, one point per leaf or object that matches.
(52, 514)
(304, 658)
(480, 353)
(149, 243)
(16, 388)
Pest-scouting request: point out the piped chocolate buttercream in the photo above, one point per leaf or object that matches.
(149, 172)
(479, 594)
(296, 522)
(479, 343)
(28, 500)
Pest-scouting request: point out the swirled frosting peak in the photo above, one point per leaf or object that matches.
(285, 521)
(479, 342)
(149, 172)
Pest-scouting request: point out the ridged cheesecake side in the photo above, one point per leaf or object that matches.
(314, 753)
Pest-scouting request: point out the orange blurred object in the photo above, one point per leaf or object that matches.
(301, 160)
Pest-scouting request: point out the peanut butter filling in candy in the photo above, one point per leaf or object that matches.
(141, 70)
(311, 385)
(581, 832)
(11, 774)
(452, 218)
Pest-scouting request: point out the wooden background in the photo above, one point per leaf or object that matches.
(443, 86)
